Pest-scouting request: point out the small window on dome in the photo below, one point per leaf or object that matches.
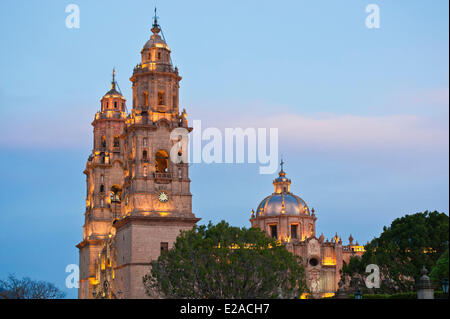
(159, 55)
(115, 105)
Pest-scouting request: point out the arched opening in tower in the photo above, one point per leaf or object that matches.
(161, 161)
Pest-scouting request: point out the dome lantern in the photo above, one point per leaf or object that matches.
(282, 201)
(282, 184)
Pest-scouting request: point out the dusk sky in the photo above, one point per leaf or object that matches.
(362, 113)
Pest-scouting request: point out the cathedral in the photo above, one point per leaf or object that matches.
(138, 201)
(287, 218)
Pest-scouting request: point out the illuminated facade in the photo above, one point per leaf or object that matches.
(137, 199)
(286, 217)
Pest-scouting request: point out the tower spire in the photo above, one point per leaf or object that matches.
(156, 27)
(113, 83)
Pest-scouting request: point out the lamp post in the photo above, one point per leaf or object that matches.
(444, 284)
(358, 294)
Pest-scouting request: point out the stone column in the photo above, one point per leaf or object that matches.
(424, 286)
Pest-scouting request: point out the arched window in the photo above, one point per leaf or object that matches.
(102, 178)
(144, 142)
(116, 141)
(144, 155)
(160, 98)
(103, 141)
(116, 194)
(273, 231)
(159, 55)
(145, 171)
(146, 98)
(294, 230)
(102, 188)
(102, 202)
(174, 100)
(115, 105)
(161, 161)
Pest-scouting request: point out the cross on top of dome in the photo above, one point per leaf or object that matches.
(282, 183)
(282, 173)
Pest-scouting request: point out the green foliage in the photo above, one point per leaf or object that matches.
(411, 242)
(440, 270)
(216, 261)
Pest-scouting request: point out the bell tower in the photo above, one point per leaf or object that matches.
(156, 198)
(104, 179)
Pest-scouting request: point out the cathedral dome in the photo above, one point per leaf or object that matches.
(282, 201)
(156, 42)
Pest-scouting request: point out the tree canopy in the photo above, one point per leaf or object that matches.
(411, 242)
(25, 288)
(440, 270)
(220, 261)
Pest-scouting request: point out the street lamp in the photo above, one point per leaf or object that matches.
(444, 284)
(358, 294)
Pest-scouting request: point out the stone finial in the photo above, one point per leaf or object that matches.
(350, 239)
(424, 286)
(321, 238)
(253, 213)
(336, 238)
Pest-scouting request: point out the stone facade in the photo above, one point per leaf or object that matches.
(138, 191)
(287, 218)
(138, 199)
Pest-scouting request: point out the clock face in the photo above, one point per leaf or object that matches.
(163, 197)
